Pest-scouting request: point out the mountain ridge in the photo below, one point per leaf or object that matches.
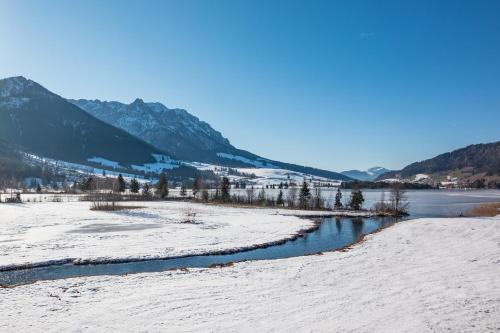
(175, 133)
(475, 158)
(44, 123)
(366, 175)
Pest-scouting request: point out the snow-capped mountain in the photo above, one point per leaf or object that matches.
(44, 124)
(184, 136)
(172, 130)
(366, 175)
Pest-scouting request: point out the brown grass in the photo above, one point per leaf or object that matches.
(114, 207)
(488, 209)
(229, 264)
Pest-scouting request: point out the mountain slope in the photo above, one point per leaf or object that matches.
(45, 124)
(479, 158)
(172, 130)
(367, 175)
(178, 132)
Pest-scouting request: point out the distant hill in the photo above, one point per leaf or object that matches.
(366, 175)
(45, 124)
(473, 159)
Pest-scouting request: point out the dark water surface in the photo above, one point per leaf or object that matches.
(332, 234)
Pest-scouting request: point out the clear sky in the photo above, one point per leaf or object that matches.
(331, 84)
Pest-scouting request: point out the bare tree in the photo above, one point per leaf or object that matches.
(399, 201)
(381, 206)
(197, 186)
(250, 194)
(317, 199)
(291, 197)
(1, 180)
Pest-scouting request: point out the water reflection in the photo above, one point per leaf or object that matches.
(332, 234)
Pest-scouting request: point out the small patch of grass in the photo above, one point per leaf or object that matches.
(229, 264)
(112, 208)
(488, 209)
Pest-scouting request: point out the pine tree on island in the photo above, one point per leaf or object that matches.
(356, 198)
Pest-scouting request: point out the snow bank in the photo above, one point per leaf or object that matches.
(428, 275)
(45, 231)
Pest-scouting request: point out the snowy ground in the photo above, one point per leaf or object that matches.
(427, 275)
(38, 232)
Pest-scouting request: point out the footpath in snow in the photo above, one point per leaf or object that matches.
(426, 275)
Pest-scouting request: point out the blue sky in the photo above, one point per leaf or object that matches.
(331, 84)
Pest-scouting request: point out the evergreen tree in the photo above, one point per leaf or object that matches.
(183, 190)
(356, 199)
(88, 184)
(134, 186)
(279, 199)
(304, 195)
(338, 200)
(224, 189)
(162, 186)
(162, 181)
(120, 184)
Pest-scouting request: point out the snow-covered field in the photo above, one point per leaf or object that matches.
(427, 275)
(38, 232)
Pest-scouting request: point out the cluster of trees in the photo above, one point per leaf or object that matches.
(355, 202)
(483, 183)
(302, 198)
(307, 198)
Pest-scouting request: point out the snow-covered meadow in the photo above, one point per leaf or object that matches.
(38, 232)
(426, 275)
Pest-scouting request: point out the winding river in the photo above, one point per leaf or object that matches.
(331, 234)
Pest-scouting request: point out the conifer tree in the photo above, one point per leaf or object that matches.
(356, 199)
(183, 190)
(162, 180)
(338, 200)
(162, 186)
(224, 189)
(134, 186)
(120, 184)
(279, 199)
(304, 195)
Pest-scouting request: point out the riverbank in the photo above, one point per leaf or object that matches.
(38, 234)
(425, 275)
